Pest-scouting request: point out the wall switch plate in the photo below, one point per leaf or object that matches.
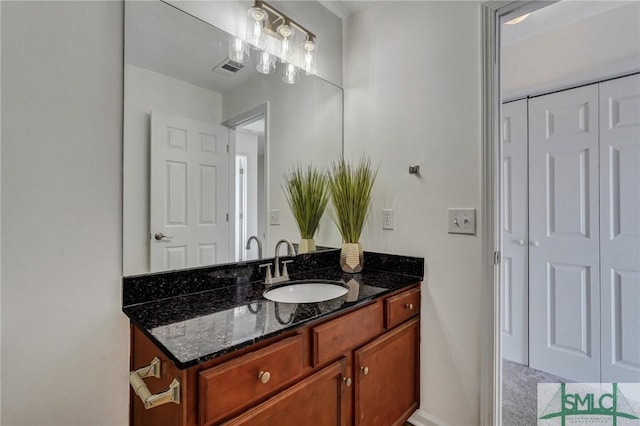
(387, 218)
(274, 217)
(462, 221)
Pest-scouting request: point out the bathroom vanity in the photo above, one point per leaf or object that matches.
(239, 359)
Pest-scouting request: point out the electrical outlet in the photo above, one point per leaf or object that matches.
(462, 221)
(274, 217)
(387, 218)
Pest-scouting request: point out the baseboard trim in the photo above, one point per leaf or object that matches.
(422, 418)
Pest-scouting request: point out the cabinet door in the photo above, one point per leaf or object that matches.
(316, 400)
(387, 377)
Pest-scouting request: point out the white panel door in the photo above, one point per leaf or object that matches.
(515, 279)
(620, 228)
(564, 290)
(189, 193)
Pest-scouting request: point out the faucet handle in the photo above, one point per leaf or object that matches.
(267, 277)
(285, 273)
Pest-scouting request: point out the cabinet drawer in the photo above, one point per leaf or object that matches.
(230, 387)
(335, 337)
(316, 400)
(401, 307)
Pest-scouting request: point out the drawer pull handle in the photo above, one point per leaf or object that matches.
(365, 370)
(264, 377)
(149, 400)
(347, 381)
(409, 306)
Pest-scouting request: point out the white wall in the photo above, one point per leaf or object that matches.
(147, 91)
(413, 96)
(65, 341)
(303, 124)
(230, 16)
(603, 46)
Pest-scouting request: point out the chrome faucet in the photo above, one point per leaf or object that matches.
(248, 246)
(291, 251)
(277, 275)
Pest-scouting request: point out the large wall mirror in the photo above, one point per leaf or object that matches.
(206, 144)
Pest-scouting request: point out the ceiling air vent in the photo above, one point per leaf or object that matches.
(228, 67)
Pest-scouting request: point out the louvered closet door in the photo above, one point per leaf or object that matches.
(620, 228)
(515, 309)
(564, 294)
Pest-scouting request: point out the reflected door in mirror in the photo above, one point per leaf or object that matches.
(189, 193)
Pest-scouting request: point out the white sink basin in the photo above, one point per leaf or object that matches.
(308, 291)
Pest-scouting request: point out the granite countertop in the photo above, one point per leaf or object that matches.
(196, 326)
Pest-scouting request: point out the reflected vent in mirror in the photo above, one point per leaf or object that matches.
(228, 67)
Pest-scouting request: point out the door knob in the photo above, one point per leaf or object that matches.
(534, 243)
(519, 242)
(365, 370)
(160, 236)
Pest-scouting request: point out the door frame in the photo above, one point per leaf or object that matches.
(491, 350)
(233, 123)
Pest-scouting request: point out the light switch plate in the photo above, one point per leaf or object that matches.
(274, 217)
(462, 221)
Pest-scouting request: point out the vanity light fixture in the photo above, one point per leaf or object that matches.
(273, 34)
(238, 51)
(266, 62)
(517, 20)
(291, 74)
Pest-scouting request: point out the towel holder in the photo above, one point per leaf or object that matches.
(149, 400)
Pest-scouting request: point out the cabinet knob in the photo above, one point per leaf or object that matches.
(365, 370)
(264, 376)
(409, 306)
(347, 381)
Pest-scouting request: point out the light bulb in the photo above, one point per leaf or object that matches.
(256, 36)
(238, 51)
(287, 42)
(310, 56)
(291, 74)
(266, 63)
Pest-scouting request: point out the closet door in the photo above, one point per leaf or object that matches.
(515, 300)
(564, 290)
(620, 228)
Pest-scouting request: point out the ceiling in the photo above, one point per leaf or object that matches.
(163, 39)
(554, 16)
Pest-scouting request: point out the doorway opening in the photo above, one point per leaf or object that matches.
(248, 153)
(545, 209)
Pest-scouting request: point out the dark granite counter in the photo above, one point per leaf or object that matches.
(199, 314)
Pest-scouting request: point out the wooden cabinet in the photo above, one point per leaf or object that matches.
(387, 377)
(316, 400)
(358, 368)
(235, 385)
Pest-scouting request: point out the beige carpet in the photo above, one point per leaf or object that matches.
(519, 393)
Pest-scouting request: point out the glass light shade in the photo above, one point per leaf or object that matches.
(287, 43)
(291, 74)
(310, 59)
(238, 51)
(266, 63)
(256, 34)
